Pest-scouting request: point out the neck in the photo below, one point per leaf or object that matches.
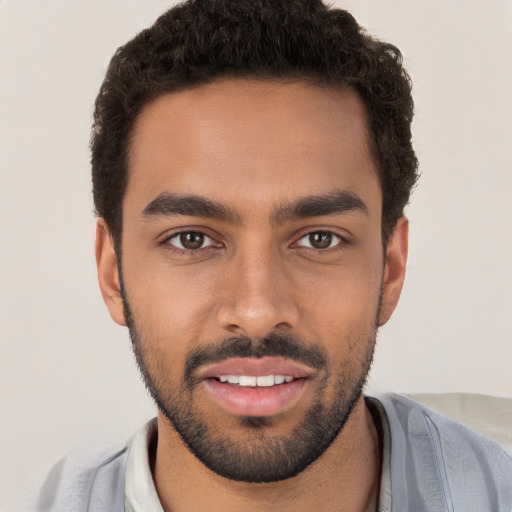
(345, 478)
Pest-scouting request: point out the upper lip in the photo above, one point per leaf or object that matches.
(256, 367)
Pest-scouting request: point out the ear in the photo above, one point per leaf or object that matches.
(394, 270)
(108, 272)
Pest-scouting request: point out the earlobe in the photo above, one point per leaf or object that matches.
(108, 272)
(394, 270)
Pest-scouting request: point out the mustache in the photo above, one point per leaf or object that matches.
(273, 345)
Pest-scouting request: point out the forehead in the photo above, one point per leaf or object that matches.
(252, 143)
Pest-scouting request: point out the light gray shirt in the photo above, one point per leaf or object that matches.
(429, 464)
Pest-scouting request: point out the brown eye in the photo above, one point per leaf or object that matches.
(190, 240)
(320, 240)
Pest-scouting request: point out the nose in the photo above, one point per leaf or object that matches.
(257, 297)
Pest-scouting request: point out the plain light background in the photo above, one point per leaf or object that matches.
(66, 370)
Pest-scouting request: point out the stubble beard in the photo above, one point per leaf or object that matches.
(260, 458)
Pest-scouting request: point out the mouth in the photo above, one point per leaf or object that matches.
(261, 381)
(256, 387)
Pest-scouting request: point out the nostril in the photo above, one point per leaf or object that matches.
(256, 318)
(235, 329)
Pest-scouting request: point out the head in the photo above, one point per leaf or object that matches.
(251, 162)
(201, 41)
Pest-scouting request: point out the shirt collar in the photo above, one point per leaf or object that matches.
(139, 489)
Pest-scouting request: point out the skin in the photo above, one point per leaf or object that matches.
(253, 147)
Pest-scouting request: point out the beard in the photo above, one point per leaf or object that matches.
(259, 457)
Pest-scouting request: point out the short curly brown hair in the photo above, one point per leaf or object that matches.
(199, 41)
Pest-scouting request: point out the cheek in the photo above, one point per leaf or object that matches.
(343, 314)
(346, 296)
(171, 306)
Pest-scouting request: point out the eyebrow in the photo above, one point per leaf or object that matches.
(191, 205)
(341, 201)
(333, 203)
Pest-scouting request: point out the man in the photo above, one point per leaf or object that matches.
(251, 163)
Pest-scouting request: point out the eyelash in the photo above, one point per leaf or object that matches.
(182, 250)
(341, 242)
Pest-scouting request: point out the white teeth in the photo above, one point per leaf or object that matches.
(267, 380)
(247, 381)
(261, 381)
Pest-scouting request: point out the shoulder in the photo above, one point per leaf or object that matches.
(434, 458)
(86, 480)
(490, 416)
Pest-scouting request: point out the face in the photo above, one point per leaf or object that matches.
(253, 278)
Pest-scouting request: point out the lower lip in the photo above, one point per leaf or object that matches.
(256, 401)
